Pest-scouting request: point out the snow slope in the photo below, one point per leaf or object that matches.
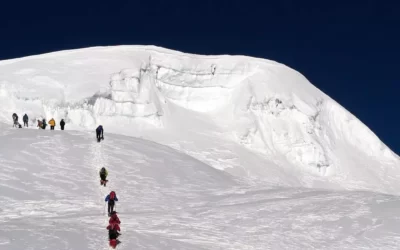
(251, 117)
(168, 200)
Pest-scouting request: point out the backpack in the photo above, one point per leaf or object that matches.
(103, 171)
(112, 195)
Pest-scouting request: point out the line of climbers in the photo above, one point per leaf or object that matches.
(41, 123)
(114, 222)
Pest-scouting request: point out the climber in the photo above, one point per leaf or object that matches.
(62, 124)
(15, 120)
(113, 233)
(103, 176)
(15, 117)
(213, 69)
(111, 199)
(52, 123)
(44, 124)
(26, 120)
(40, 124)
(114, 218)
(99, 133)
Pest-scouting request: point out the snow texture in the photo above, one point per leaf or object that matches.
(205, 152)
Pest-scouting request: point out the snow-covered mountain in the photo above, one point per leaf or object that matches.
(251, 117)
(205, 152)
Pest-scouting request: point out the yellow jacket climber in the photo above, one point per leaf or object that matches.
(103, 173)
(52, 122)
(103, 176)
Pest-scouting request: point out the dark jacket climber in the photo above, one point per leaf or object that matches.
(44, 124)
(62, 124)
(111, 199)
(99, 133)
(26, 120)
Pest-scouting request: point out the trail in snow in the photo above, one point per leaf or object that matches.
(96, 160)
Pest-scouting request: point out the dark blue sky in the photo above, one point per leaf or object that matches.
(348, 49)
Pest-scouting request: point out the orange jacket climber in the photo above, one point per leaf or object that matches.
(52, 122)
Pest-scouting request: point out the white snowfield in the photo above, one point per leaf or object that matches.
(204, 152)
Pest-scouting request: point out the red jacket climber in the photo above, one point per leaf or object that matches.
(114, 218)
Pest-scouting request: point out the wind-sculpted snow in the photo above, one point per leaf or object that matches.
(247, 116)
